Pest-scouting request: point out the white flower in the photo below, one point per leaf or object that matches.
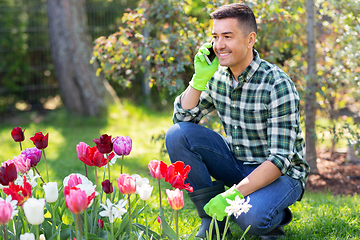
(237, 206)
(42, 237)
(27, 236)
(51, 192)
(143, 188)
(34, 210)
(120, 209)
(113, 210)
(12, 203)
(32, 178)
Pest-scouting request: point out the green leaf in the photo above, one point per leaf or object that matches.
(151, 233)
(167, 230)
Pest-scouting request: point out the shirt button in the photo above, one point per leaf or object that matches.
(237, 148)
(235, 127)
(234, 105)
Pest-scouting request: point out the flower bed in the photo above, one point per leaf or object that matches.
(33, 207)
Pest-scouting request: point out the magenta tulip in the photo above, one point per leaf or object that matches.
(33, 154)
(122, 145)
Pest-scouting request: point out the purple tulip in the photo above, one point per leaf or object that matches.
(33, 154)
(122, 145)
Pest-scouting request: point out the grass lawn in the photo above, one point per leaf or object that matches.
(317, 216)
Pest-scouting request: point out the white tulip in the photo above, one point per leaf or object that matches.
(27, 236)
(34, 210)
(143, 188)
(51, 192)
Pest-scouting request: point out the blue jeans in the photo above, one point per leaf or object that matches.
(209, 155)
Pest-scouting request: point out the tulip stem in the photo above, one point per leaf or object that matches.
(20, 147)
(22, 217)
(37, 231)
(122, 159)
(4, 229)
(159, 191)
(39, 174)
(108, 167)
(47, 173)
(96, 177)
(86, 224)
(177, 224)
(129, 214)
(146, 224)
(77, 226)
(86, 173)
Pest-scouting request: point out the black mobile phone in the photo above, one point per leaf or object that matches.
(209, 58)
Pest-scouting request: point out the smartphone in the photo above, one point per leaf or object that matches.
(210, 58)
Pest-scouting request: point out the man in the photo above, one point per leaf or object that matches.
(262, 155)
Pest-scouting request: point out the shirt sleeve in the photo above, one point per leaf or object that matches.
(195, 114)
(283, 131)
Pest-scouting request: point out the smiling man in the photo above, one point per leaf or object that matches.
(262, 155)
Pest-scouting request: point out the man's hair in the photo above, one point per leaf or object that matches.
(241, 12)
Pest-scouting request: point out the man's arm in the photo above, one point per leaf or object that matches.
(262, 176)
(190, 98)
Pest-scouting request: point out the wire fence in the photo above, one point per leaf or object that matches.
(27, 77)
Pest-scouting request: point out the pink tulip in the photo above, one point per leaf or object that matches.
(76, 200)
(157, 169)
(22, 163)
(175, 198)
(126, 183)
(5, 212)
(122, 145)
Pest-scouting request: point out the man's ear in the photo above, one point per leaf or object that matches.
(251, 39)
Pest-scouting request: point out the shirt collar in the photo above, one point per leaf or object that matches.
(251, 69)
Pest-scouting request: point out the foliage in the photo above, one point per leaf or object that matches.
(158, 40)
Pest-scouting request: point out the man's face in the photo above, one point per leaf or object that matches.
(231, 45)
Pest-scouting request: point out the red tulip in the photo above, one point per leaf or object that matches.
(107, 186)
(91, 155)
(176, 175)
(100, 223)
(8, 173)
(14, 190)
(104, 144)
(40, 141)
(18, 134)
(175, 198)
(126, 183)
(157, 169)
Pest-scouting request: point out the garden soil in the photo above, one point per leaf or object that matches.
(336, 175)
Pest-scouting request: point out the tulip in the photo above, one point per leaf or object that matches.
(176, 175)
(107, 186)
(33, 154)
(34, 210)
(51, 192)
(22, 163)
(104, 144)
(175, 198)
(14, 190)
(100, 223)
(27, 236)
(122, 145)
(5, 212)
(80, 181)
(40, 141)
(143, 188)
(157, 169)
(18, 134)
(176, 201)
(126, 183)
(8, 173)
(76, 200)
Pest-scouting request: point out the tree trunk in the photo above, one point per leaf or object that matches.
(81, 90)
(310, 104)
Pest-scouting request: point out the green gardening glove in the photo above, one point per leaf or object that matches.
(203, 71)
(218, 203)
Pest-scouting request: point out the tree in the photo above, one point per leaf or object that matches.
(81, 90)
(310, 104)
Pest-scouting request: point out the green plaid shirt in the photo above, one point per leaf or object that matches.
(260, 116)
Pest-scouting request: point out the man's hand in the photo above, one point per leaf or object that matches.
(203, 71)
(218, 203)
